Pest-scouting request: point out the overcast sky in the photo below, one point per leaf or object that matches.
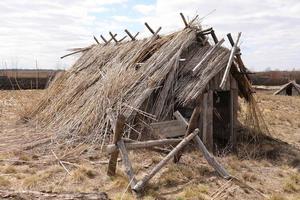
(42, 30)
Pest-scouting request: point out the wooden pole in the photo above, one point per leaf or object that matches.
(118, 132)
(129, 34)
(140, 185)
(184, 20)
(149, 28)
(127, 164)
(208, 120)
(96, 40)
(229, 63)
(214, 36)
(123, 38)
(146, 144)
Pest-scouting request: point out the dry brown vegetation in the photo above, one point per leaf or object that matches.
(272, 167)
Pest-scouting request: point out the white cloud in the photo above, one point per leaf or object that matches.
(144, 9)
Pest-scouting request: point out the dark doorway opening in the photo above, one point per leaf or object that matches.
(221, 118)
(289, 90)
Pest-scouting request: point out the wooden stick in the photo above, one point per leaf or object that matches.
(206, 56)
(119, 129)
(181, 119)
(105, 41)
(96, 40)
(113, 37)
(156, 32)
(184, 20)
(129, 34)
(232, 54)
(149, 28)
(140, 185)
(123, 38)
(191, 22)
(136, 35)
(146, 144)
(75, 52)
(126, 163)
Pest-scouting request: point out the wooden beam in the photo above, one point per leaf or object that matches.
(184, 20)
(208, 120)
(127, 164)
(140, 185)
(229, 63)
(111, 38)
(145, 144)
(207, 55)
(233, 112)
(118, 132)
(96, 40)
(181, 119)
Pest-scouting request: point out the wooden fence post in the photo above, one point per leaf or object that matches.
(118, 132)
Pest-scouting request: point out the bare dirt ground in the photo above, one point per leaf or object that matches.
(28, 160)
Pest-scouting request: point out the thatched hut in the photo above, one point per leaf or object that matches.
(289, 89)
(147, 81)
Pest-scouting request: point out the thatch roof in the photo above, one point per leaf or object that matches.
(146, 77)
(292, 84)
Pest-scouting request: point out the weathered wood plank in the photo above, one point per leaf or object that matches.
(145, 144)
(208, 120)
(168, 129)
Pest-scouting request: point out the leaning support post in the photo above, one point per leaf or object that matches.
(140, 185)
(210, 159)
(232, 54)
(127, 164)
(118, 132)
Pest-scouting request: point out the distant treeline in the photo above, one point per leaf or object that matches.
(16, 79)
(273, 78)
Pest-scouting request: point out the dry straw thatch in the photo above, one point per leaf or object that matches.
(144, 79)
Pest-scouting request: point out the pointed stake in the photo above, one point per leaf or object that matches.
(184, 20)
(96, 40)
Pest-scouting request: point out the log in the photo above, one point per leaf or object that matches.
(127, 164)
(181, 119)
(146, 144)
(140, 185)
(214, 36)
(28, 194)
(229, 63)
(207, 55)
(118, 132)
(210, 159)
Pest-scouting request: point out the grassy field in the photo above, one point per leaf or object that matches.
(28, 160)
